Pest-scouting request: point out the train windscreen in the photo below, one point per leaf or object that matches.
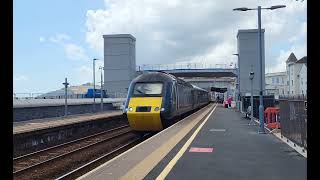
(147, 89)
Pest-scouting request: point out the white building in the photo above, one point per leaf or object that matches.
(276, 83)
(297, 75)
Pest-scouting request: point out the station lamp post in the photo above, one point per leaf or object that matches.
(101, 89)
(94, 85)
(251, 76)
(238, 82)
(65, 96)
(261, 108)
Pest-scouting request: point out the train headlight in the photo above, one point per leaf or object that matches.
(156, 109)
(130, 109)
(162, 109)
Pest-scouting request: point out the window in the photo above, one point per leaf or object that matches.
(147, 89)
(273, 80)
(277, 80)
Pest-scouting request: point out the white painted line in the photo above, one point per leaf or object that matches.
(136, 146)
(169, 166)
(218, 130)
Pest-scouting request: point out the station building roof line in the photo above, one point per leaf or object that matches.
(249, 31)
(119, 36)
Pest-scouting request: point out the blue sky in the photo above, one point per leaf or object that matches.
(38, 66)
(57, 39)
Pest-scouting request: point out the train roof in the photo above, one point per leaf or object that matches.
(159, 76)
(196, 87)
(163, 76)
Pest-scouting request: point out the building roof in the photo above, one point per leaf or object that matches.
(249, 31)
(119, 36)
(292, 58)
(302, 60)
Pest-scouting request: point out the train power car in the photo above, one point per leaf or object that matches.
(156, 100)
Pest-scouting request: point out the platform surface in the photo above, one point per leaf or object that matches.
(239, 152)
(233, 150)
(37, 124)
(137, 162)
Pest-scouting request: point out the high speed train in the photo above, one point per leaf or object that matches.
(156, 100)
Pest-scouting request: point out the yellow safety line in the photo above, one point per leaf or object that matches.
(168, 168)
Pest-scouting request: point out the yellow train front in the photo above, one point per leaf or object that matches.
(156, 100)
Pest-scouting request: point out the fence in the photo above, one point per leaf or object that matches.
(69, 96)
(268, 101)
(293, 118)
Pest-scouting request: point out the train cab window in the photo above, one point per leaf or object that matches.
(147, 89)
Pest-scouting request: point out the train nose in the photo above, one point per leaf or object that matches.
(144, 113)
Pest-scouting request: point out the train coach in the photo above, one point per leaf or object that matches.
(156, 100)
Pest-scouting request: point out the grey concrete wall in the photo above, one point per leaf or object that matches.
(29, 113)
(248, 51)
(119, 62)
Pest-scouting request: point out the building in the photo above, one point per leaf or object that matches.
(276, 83)
(297, 75)
(119, 62)
(248, 50)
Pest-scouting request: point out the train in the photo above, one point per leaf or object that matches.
(157, 100)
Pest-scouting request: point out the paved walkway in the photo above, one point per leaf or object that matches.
(239, 152)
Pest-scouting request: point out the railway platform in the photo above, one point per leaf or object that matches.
(214, 143)
(39, 124)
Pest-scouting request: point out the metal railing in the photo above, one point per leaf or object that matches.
(293, 118)
(144, 67)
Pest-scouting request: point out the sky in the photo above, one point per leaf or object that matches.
(53, 40)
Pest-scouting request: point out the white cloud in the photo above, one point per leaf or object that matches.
(59, 38)
(75, 52)
(42, 39)
(298, 50)
(72, 50)
(195, 31)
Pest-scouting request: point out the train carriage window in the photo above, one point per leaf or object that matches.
(147, 89)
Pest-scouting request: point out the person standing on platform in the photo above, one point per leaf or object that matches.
(229, 102)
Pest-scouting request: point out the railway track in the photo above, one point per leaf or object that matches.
(52, 162)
